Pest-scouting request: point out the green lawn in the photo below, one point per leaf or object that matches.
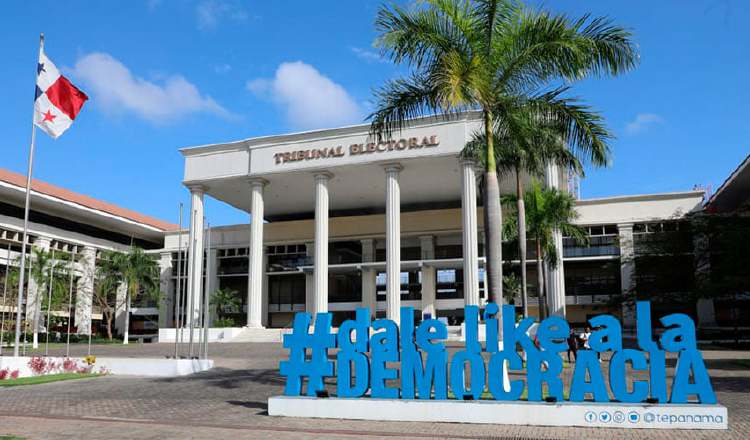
(35, 380)
(10, 437)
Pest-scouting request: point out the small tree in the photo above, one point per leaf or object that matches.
(225, 302)
(511, 288)
(107, 280)
(138, 271)
(49, 267)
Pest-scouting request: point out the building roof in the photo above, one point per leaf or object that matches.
(63, 194)
(734, 192)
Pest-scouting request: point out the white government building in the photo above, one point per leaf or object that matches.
(69, 223)
(350, 222)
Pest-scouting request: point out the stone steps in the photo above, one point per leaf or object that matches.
(260, 335)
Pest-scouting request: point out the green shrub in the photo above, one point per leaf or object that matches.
(224, 322)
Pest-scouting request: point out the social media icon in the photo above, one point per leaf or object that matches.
(605, 417)
(590, 416)
(618, 417)
(634, 417)
(648, 417)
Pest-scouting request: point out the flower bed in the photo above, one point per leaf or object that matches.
(41, 366)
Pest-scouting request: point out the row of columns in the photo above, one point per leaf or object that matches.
(318, 283)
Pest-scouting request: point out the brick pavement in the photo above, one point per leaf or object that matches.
(230, 402)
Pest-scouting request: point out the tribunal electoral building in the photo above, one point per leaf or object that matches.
(341, 221)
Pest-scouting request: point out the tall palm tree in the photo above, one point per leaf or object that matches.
(489, 55)
(547, 210)
(139, 272)
(48, 268)
(532, 138)
(107, 280)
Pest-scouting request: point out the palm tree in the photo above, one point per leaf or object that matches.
(531, 140)
(139, 272)
(107, 280)
(225, 302)
(491, 56)
(46, 268)
(547, 210)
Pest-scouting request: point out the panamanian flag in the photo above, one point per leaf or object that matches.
(57, 100)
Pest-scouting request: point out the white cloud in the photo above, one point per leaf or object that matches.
(368, 55)
(115, 89)
(642, 122)
(210, 13)
(310, 99)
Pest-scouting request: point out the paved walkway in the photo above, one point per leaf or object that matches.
(230, 402)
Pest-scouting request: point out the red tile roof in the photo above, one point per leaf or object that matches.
(83, 200)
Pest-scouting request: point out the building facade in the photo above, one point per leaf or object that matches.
(341, 220)
(70, 226)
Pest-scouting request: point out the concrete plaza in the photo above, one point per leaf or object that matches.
(230, 402)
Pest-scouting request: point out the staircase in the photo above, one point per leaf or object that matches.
(260, 335)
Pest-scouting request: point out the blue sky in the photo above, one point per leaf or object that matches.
(167, 74)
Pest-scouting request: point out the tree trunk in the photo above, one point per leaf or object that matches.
(487, 262)
(127, 318)
(494, 225)
(540, 280)
(522, 241)
(107, 312)
(109, 327)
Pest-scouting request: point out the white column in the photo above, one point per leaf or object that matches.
(320, 271)
(195, 257)
(627, 274)
(310, 281)
(556, 276)
(393, 242)
(85, 290)
(264, 291)
(369, 289)
(427, 246)
(166, 287)
(36, 294)
(212, 273)
(429, 291)
(255, 283)
(120, 307)
(469, 223)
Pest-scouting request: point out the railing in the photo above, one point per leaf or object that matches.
(598, 245)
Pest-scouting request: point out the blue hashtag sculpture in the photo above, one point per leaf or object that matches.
(298, 366)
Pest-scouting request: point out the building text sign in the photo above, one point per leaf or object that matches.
(356, 149)
(426, 372)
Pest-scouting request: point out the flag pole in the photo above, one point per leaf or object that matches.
(21, 276)
(178, 292)
(207, 293)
